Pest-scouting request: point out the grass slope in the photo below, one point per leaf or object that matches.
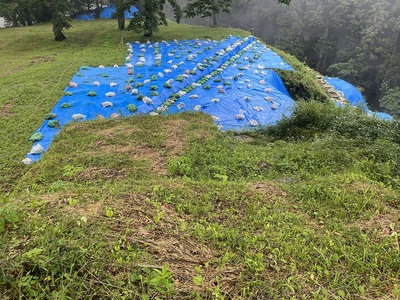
(169, 207)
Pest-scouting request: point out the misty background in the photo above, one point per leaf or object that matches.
(358, 41)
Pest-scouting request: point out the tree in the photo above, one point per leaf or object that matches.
(151, 15)
(391, 101)
(58, 18)
(29, 12)
(122, 6)
(24, 12)
(120, 14)
(358, 41)
(212, 8)
(207, 8)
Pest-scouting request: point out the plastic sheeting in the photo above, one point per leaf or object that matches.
(353, 95)
(107, 13)
(229, 79)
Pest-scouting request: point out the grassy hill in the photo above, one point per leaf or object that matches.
(169, 207)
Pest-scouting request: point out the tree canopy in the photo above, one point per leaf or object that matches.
(151, 15)
(212, 8)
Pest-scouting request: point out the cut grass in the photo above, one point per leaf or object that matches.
(170, 207)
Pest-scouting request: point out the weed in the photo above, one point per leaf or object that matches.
(8, 216)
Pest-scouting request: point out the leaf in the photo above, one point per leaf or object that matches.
(132, 107)
(65, 105)
(12, 217)
(198, 280)
(50, 116)
(109, 212)
(36, 137)
(72, 202)
(341, 293)
(145, 297)
(9, 213)
(135, 277)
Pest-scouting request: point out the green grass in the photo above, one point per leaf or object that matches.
(169, 207)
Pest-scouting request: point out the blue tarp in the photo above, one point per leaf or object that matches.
(229, 79)
(353, 95)
(107, 13)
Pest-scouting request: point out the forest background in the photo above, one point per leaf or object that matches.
(358, 41)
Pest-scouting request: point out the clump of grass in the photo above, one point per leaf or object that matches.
(301, 84)
(311, 118)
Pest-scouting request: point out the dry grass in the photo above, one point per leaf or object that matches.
(5, 111)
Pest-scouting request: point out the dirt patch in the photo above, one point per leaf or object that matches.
(268, 189)
(173, 144)
(5, 111)
(88, 210)
(175, 140)
(116, 130)
(384, 224)
(157, 228)
(92, 173)
(85, 207)
(42, 59)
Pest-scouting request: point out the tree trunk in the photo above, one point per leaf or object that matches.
(120, 14)
(59, 35)
(14, 21)
(97, 10)
(214, 17)
(121, 23)
(319, 60)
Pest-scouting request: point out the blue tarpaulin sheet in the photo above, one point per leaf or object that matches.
(107, 13)
(229, 79)
(353, 95)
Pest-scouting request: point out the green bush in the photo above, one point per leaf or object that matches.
(302, 84)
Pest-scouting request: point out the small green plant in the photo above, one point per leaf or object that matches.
(154, 280)
(8, 215)
(158, 217)
(109, 212)
(198, 279)
(70, 171)
(72, 202)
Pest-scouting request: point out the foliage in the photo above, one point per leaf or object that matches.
(313, 118)
(391, 101)
(207, 8)
(25, 13)
(212, 8)
(8, 215)
(152, 15)
(357, 41)
(301, 84)
(59, 18)
(32, 12)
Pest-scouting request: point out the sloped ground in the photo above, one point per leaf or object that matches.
(171, 207)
